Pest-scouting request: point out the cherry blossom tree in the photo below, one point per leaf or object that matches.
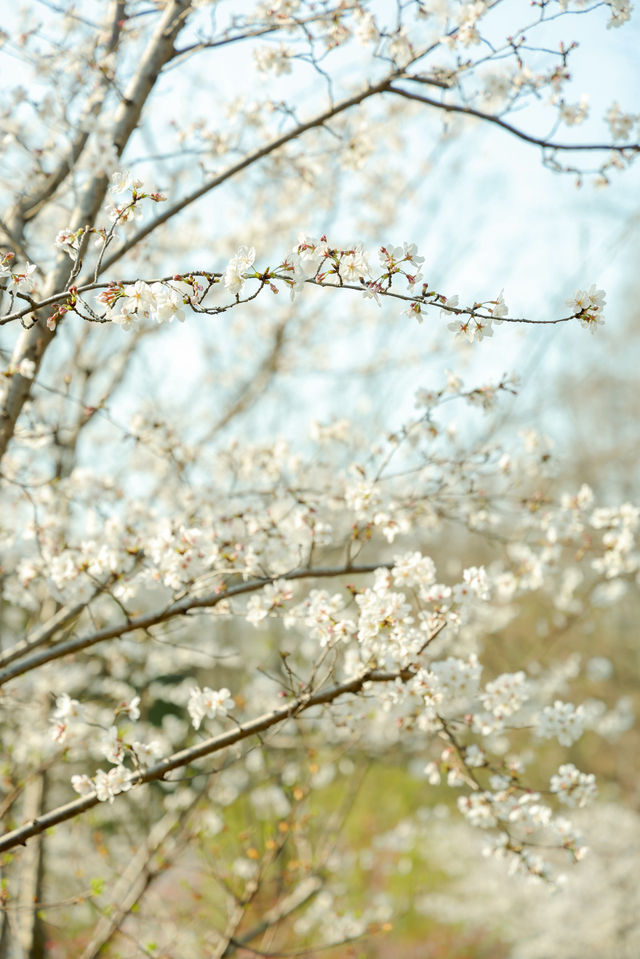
(219, 610)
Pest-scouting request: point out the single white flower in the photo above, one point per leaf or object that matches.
(26, 368)
(234, 275)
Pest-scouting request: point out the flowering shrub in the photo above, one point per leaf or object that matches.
(208, 623)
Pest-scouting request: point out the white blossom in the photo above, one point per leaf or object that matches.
(564, 721)
(82, 784)
(208, 703)
(505, 695)
(588, 306)
(573, 787)
(239, 265)
(620, 124)
(276, 59)
(109, 785)
(575, 113)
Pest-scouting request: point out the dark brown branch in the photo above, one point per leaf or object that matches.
(509, 128)
(308, 887)
(425, 301)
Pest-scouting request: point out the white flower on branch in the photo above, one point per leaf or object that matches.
(146, 753)
(562, 721)
(572, 787)
(354, 264)
(505, 695)
(574, 113)
(109, 785)
(234, 275)
(413, 569)
(588, 306)
(471, 329)
(67, 708)
(26, 368)
(82, 784)
(123, 180)
(367, 31)
(620, 12)
(21, 282)
(274, 59)
(112, 745)
(208, 703)
(400, 49)
(620, 124)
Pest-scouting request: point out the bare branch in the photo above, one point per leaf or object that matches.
(46, 631)
(306, 890)
(29, 205)
(138, 876)
(527, 137)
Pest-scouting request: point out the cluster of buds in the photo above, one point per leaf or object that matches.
(66, 307)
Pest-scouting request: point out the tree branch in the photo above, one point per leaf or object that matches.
(423, 300)
(175, 609)
(520, 134)
(157, 772)
(33, 343)
(137, 877)
(43, 633)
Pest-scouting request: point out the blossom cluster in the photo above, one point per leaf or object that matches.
(129, 305)
(573, 787)
(69, 724)
(587, 305)
(20, 281)
(208, 703)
